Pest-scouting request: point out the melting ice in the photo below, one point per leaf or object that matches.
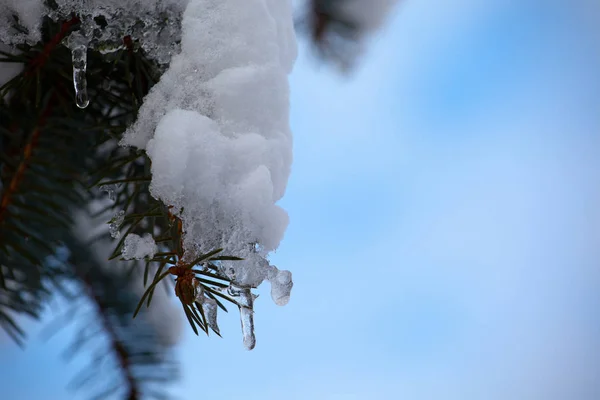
(110, 189)
(245, 299)
(115, 224)
(281, 286)
(78, 44)
(209, 306)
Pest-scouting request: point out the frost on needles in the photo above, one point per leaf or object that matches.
(216, 127)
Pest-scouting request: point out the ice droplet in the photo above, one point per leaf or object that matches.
(111, 190)
(79, 57)
(209, 306)
(281, 286)
(115, 223)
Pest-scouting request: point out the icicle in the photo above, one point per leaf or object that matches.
(209, 306)
(245, 299)
(79, 55)
(247, 318)
(78, 43)
(115, 223)
(281, 286)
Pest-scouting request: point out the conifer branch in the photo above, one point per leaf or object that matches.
(40, 60)
(28, 149)
(116, 344)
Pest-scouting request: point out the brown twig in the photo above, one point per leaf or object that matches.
(38, 62)
(116, 344)
(128, 43)
(12, 187)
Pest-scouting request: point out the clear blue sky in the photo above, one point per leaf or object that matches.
(445, 218)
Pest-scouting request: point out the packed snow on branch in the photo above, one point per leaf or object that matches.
(216, 127)
(137, 247)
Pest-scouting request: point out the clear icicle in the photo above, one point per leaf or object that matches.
(79, 56)
(245, 299)
(78, 42)
(209, 306)
(247, 318)
(115, 223)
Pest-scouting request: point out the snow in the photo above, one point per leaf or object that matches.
(223, 184)
(136, 247)
(216, 127)
(29, 14)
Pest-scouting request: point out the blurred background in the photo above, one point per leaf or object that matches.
(445, 218)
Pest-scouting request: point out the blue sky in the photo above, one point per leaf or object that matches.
(445, 213)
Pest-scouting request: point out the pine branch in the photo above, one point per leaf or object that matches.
(116, 345)
(142, 360)
(333, 34)
(38, 62)
(47, 165)
(43, 160)
(16, 179)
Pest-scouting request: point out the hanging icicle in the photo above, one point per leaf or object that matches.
(78, 44)
(245, 299)
(79, 81)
